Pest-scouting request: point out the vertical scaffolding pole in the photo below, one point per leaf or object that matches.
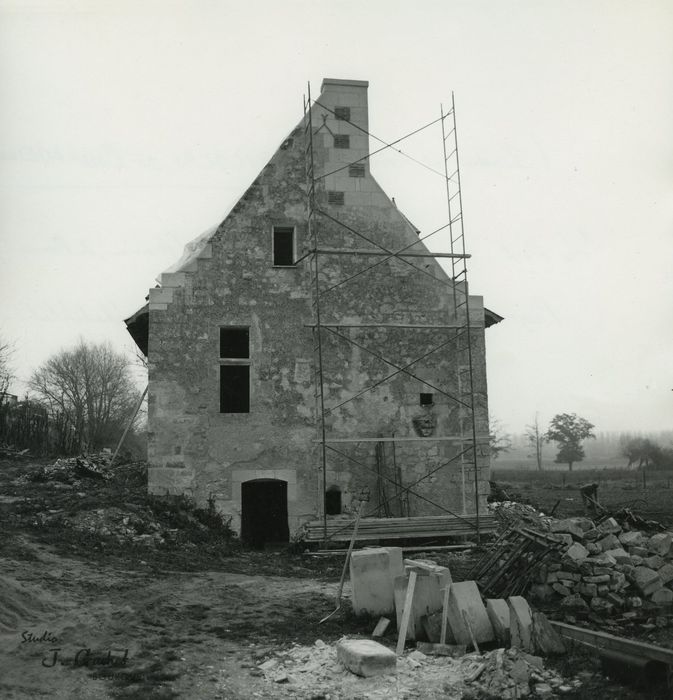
(317, 331)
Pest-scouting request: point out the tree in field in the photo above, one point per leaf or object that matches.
(499, 441)
(642, 451)
(568, 430)
(89, 388)
(535, 439)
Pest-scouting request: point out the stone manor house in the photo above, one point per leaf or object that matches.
(230, 334)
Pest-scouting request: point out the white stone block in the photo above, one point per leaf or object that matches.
(373, 572)
(365, 657)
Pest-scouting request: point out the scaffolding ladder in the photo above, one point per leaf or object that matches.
(458, 324)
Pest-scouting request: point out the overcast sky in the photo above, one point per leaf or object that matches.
(128, 128)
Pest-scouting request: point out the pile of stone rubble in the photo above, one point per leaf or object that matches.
(512, 673)
(365, 669)
(71, 470)
(604, 568)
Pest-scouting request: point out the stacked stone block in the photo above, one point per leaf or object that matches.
(605, 568)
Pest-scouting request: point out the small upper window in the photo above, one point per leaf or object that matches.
(235, 343)
(342, 141)
(342, 113)
(426, 400)
(333, 501)
(334, 197)
(283, 246)
(356, 170)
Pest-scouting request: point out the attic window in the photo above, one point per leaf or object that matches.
(356, 170)
(335, 197)
(342, 113)
(342, 141)
(426, 399)
(283, 246)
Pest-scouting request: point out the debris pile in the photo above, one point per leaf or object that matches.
(72, 470)
(603, 568)
(511, 673)
(588, 567)
(136, 528)
(510, 513)
(311, 671)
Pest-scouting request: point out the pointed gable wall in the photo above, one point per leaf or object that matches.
(228, 280)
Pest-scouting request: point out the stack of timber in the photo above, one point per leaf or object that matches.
(339, 530)
(508, 567)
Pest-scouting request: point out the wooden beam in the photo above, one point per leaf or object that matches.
(445, 613)
(603, 640)
(441, 438)
(453, 326)
(408, 604)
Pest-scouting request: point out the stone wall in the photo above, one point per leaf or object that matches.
(197, 450)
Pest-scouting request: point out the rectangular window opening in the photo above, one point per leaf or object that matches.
(234, 388)
(335, 197)
(342, 141)
(356, 170)
(427, 399)
(342, 113)
(235, 343)
(283, 246)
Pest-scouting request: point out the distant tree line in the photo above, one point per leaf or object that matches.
(569, 431)
(80, 400)
(644, 453)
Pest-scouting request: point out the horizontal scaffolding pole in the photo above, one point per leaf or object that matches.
(455, 326)
(362, 251)
(441, 438)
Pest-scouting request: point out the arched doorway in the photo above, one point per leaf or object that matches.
(264, 512)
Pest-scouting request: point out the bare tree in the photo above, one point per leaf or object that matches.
(499, 440)
(535, 438)
(6, 371)
(90, 388)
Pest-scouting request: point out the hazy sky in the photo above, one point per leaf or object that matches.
(128, 128)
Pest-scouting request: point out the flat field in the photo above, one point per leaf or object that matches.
(650, 497)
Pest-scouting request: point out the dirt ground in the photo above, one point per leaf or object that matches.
(86, 616)
(191, 635)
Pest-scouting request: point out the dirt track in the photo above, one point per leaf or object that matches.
(183, 631)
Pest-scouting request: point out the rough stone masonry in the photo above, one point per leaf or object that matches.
(230, 345)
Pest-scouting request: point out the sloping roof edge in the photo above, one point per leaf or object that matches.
(138, 326)
(491, 318)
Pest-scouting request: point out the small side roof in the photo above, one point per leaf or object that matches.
(138, 326)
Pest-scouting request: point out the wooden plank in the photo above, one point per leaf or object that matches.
(387, 325)
(395, 528)
(603, 640)
(429, 548)
(406, 614)
(445, 613)
(440, 438)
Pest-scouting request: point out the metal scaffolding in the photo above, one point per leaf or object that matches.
(454, 333)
